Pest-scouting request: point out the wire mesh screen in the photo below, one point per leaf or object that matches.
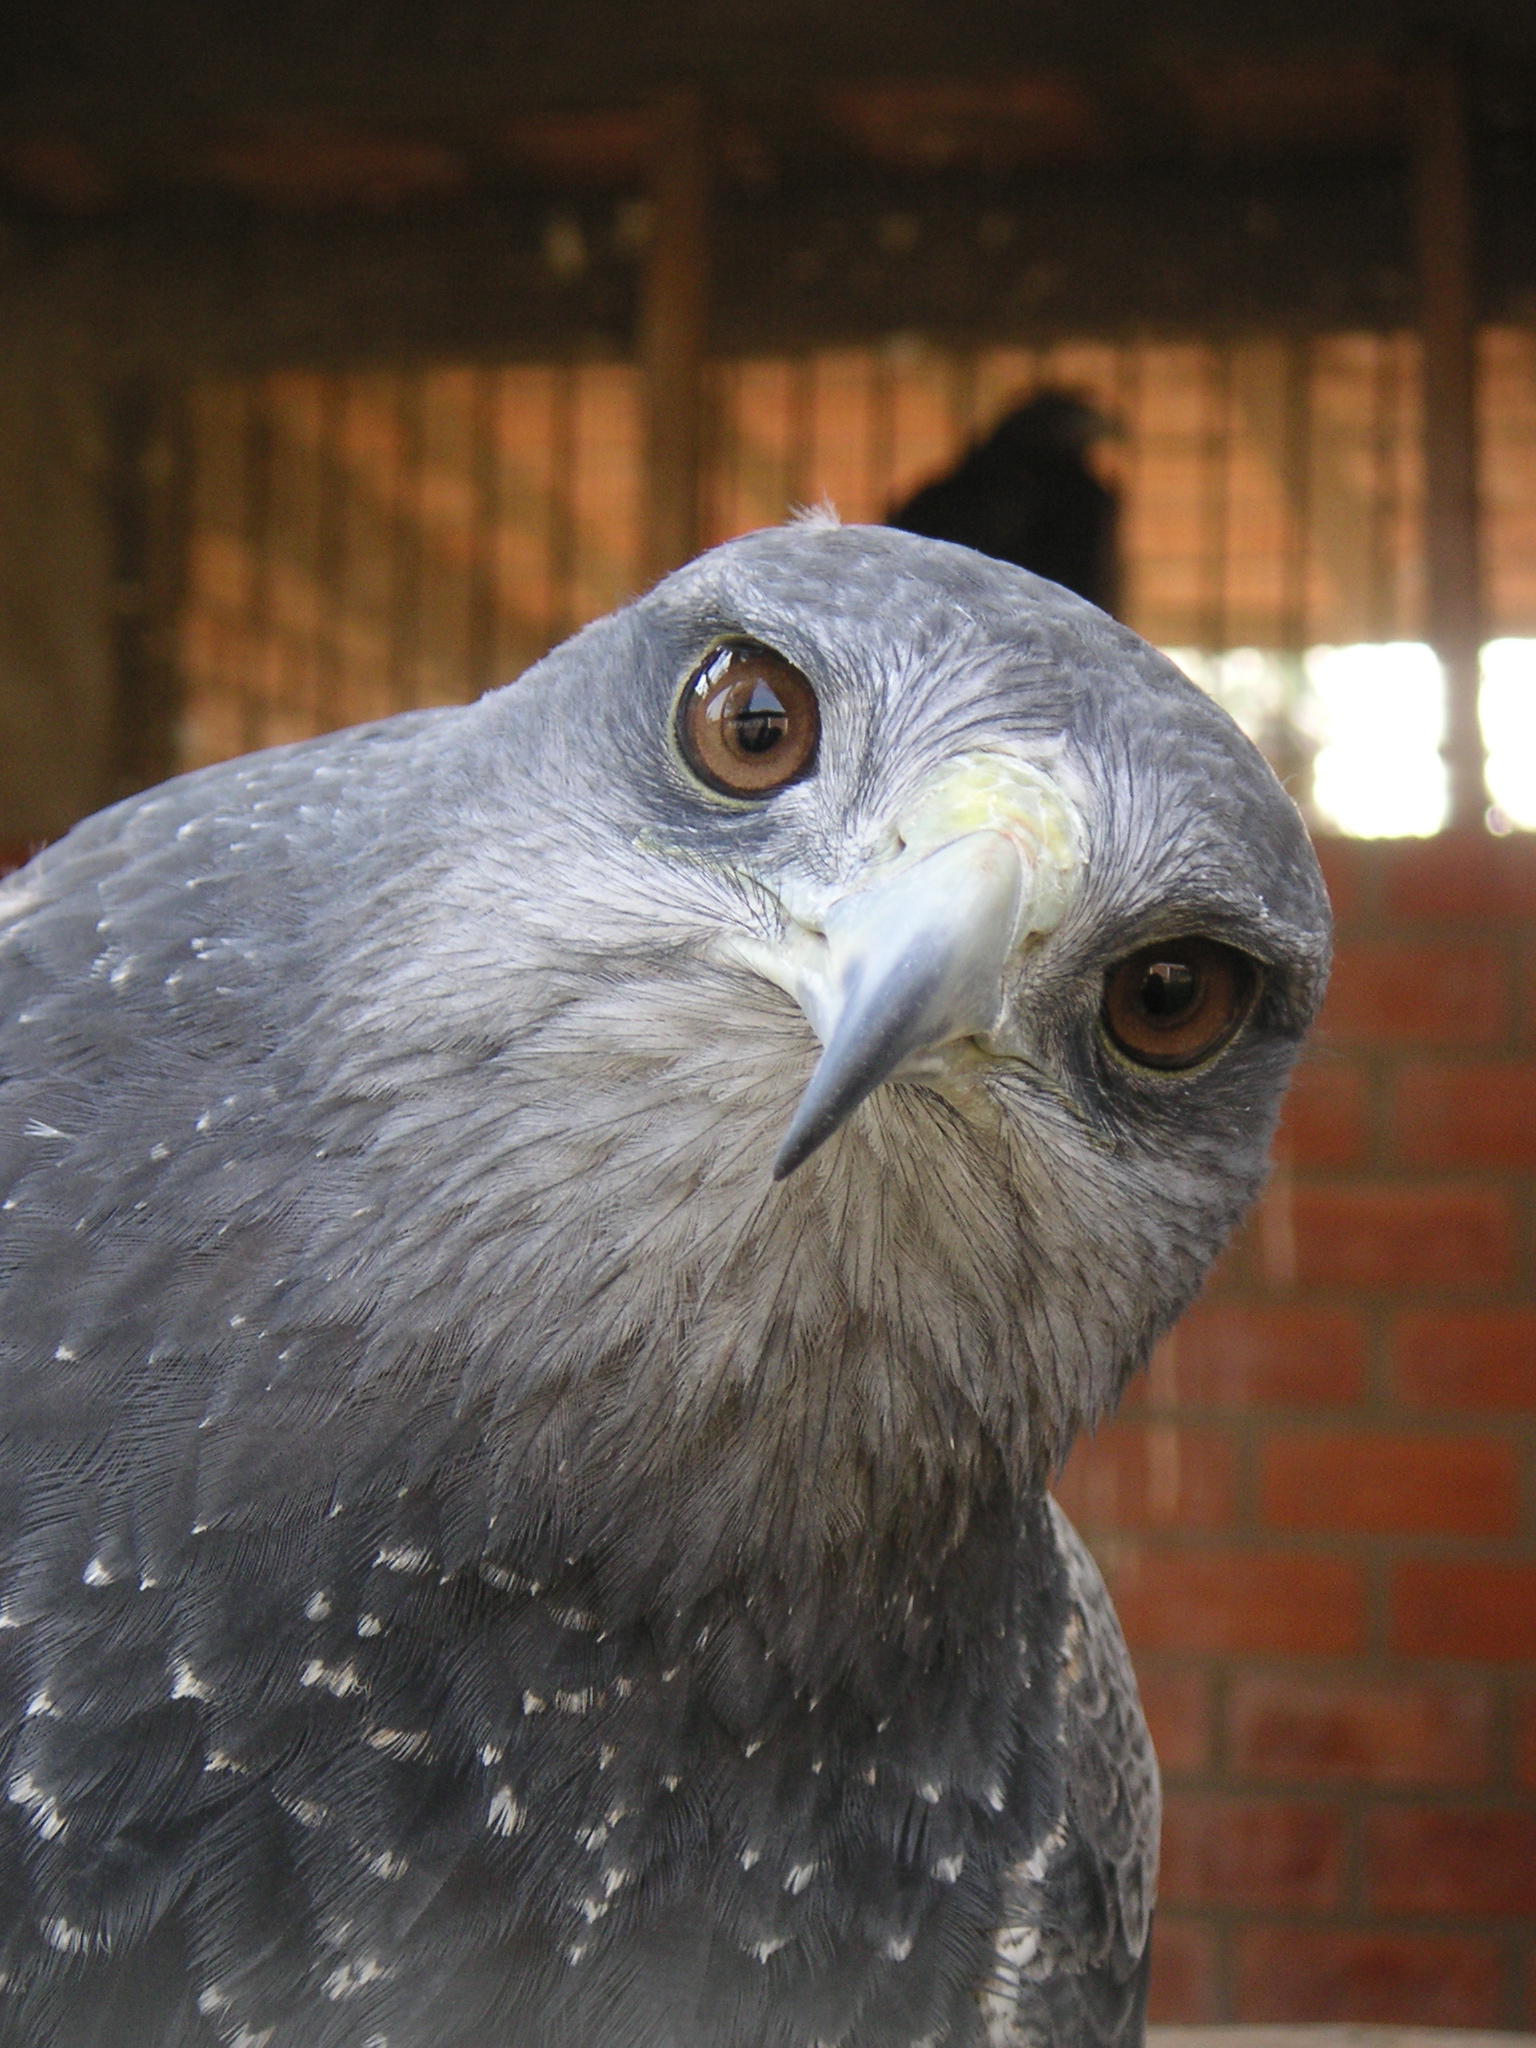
(1508, 384)
(364, 542)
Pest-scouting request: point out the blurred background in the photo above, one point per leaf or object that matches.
(350, 356)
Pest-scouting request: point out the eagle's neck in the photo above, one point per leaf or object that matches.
(842, 1565)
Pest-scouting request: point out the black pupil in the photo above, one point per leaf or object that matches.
(758, 725)
(1169, 990)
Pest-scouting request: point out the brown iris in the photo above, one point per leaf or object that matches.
(1174, 1004)
(748, 722)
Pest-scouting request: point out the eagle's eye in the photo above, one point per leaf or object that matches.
(1174, 1004)
(748, 722)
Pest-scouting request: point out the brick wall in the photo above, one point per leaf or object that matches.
(1318, 1508)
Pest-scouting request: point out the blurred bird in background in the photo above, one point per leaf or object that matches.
(1028, 494)
(549, 1251)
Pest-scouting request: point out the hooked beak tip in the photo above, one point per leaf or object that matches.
(796, 1149)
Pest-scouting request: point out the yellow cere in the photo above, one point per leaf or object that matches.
(995, 792)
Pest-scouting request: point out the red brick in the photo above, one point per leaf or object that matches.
(1352, 1480)
(1249, 1852)
(1183, 1987)
(1390, 992)
(1473, 1609)
(1465, 877)
(1434, 1860)
(1343, 862)
(1466, 1358)
(1315, 1973)
(1238, 1602)
(1325, 1118)
(1178, 1710)
(1420, 1237)
(1139, 1475)
(1289, 1729)
(1482, 1115)
(1230, 1355)
(1525, 1742)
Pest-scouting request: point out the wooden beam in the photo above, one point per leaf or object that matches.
(1445, 237)
(1176, 250)
(673, 316)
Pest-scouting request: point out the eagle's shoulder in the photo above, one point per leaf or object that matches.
(1073, 1942)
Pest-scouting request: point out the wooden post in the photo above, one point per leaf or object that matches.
(1444, 225)
(146, 521)
(673, 315)
(57, 572)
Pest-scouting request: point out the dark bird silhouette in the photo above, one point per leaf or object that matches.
(1026, 494)
(548, 1251)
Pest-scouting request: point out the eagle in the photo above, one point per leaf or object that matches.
(549, 1253)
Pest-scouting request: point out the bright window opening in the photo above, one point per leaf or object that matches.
(1357, 730)
(1379, 718)
(1508, 705)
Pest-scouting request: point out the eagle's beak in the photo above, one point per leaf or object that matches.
(913, 966)
(916, 961)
